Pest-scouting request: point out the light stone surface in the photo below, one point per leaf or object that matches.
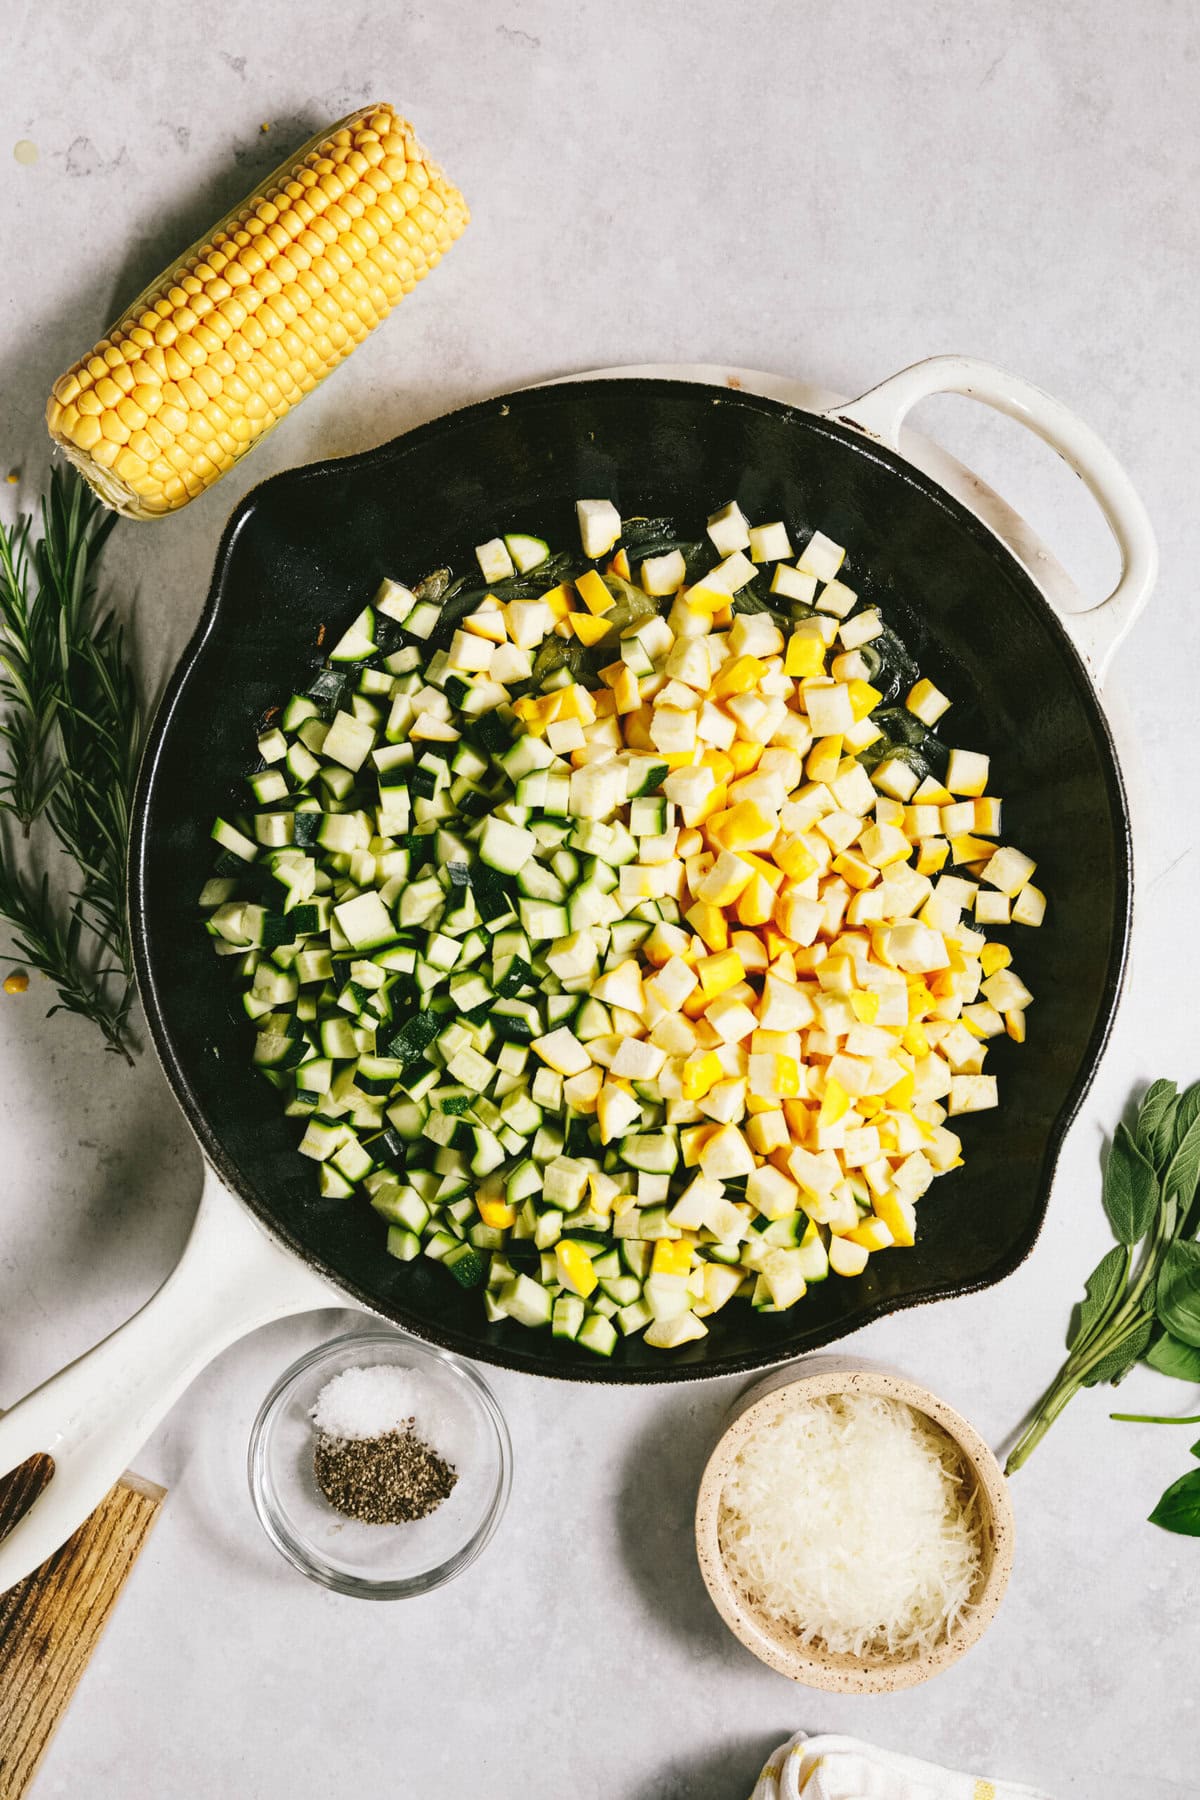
(828, 191)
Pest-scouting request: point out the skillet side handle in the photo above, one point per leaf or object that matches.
(1098, 632)
(95, 1415)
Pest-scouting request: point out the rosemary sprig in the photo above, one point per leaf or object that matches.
(73, 732)
(45, 942)
(26, 681)
(99, 729)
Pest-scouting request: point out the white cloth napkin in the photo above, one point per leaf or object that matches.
(841, 1768)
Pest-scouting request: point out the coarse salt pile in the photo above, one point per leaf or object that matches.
(369, 1402)
(850, 1520)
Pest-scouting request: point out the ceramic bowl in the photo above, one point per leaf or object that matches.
(771, 1642)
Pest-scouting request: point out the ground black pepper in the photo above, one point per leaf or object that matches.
(387, 1480)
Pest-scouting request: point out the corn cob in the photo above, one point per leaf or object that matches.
(220, 347)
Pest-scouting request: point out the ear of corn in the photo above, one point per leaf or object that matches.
(222, 345)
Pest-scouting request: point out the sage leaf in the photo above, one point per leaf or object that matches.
(1103, 1285)
(1122, 1356)
(1177, 1293)
(1155, 1130)
(1187, 1111)
(1183, 1170)
(1170, 1356)
(1179, 1508)
(1130, 1189)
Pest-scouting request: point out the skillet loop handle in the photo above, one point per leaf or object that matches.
(1098, 631)
(95, 1415)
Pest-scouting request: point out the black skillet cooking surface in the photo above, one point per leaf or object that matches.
(308, 548)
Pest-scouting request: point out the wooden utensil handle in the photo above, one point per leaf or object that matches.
(49, 1624)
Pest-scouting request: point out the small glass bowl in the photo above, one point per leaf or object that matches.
(379, 1562)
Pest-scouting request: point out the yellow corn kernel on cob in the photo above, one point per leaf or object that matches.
(221, 346)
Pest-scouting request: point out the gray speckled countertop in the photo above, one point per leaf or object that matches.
(831, 192)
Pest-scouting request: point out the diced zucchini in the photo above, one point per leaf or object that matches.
(526, 1301)
(597, 1334)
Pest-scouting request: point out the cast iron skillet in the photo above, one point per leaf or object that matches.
(306, 550)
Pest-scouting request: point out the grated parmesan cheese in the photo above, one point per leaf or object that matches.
(850, 1521)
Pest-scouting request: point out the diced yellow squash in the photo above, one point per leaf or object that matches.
(793, 856)
(561, 1051)
(756, 904)
(671, 1257)
(709, 923)
(823, 759)
(594, 594)
(700, 1074)
(743, 827)
(805, 655)
(847, 1257)
(853, 869)
(898, 1215)
(726, 1155)
(574, 1268)
(496, 1213)
(900, 1096)
(587, 629)
(626, 692)
(835, 1103)
(872, 1234)
(560, 599)
(719, 971)
(740, 675)
(926, 702)
(994, 957)
(692, 1142)
(669, 1334)
(744, 754)
(724, 881)
(967, 848)
(987, 816)
(967, 773)
(616, 1111)
(932, 855)
(863, 698)
(1008, 870)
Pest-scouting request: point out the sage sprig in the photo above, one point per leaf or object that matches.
(1142, 1300)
